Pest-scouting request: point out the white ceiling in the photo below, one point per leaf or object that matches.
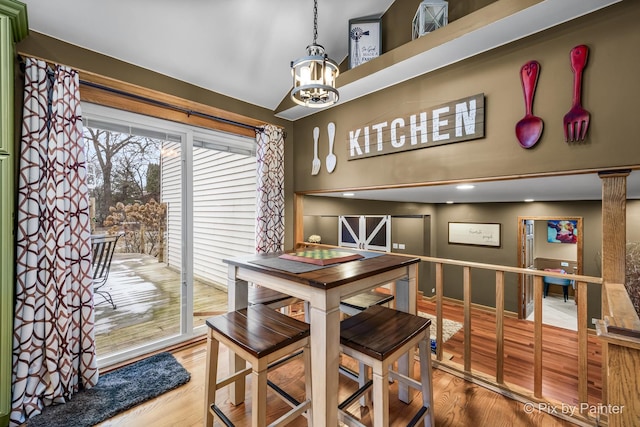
(239, 48)
(243, 49)
(545, 189)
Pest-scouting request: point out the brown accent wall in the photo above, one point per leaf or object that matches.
(397, 20)
(610, 94)
(321, 214)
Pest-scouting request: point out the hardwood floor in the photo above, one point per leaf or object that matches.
(560, 353)
(457, 402)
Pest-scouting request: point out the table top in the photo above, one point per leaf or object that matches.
(329, 276)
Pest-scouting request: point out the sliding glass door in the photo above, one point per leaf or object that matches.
(181, 200)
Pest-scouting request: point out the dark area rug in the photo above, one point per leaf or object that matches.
(116, 392)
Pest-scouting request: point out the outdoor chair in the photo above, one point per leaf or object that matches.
(103, 247)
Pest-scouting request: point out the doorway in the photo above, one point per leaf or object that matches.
(527, 254)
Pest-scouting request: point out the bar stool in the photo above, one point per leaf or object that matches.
(350, 307)
(262, 337)
(378, 336)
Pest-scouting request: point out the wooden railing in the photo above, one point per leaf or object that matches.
(497, 382)
(582, 415)
(619, 331)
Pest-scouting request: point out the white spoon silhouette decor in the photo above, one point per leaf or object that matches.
(331, 158)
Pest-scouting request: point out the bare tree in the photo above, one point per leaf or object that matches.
(119, 162)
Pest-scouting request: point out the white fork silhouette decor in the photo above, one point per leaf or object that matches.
(315, 165)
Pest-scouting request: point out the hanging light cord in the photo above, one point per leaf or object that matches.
(315, 21)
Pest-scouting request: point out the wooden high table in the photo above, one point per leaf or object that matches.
(324, 288)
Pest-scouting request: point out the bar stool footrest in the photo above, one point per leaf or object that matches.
(418, 417)
(226, 421)
(356, 394)
(292, 401)
(349, 373)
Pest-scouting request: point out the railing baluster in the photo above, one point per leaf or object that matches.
(581, 291)
(537, 336)
(439, 297)
(467, 318)
(538, 286)
(500, 327)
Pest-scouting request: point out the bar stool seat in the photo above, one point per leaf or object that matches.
(360, 302)
(352, 306)
(378, 336)
(262, 337)
(270, 297)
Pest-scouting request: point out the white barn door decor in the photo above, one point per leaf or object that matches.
(368, 232)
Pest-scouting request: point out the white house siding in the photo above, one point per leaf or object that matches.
(171, 182)
(224, 197)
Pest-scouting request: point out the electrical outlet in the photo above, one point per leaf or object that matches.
(400, 245)
(395, 246)
(564, 264)
(594, 320)
(433, 290)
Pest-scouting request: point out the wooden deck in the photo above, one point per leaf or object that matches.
(147, 297)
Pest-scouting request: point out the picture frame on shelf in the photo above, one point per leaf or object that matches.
(365, 40)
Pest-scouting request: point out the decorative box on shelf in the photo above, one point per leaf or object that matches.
(431, 15)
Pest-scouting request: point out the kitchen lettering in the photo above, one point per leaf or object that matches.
(457, 121)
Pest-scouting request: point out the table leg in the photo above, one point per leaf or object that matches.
(237, 298)
(325, 355)
(406, 300)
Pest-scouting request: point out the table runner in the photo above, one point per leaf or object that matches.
(298, 267)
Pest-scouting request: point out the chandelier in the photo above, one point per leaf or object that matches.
(314, 75)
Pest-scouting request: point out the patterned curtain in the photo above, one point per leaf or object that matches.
(270, 191)
(53, 340)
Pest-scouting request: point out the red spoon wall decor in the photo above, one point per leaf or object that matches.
(529, 129)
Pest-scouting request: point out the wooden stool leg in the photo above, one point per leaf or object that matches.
(259, 395)
(381, 395)
(306, 357)
(426, 381)
(363, 377)
(211, 377)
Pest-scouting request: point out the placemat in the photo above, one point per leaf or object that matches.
(297, 267)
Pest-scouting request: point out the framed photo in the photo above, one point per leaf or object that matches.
(365, 40)
(562, 231)
(474, 233)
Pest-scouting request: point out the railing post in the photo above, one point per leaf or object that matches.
(467, 318)
(500, 327)
(439, 297)
(581, 291)
(537, 336)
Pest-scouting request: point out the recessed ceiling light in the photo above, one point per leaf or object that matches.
(449, 202)
(348, 194)
(529, 200)
(465, 187)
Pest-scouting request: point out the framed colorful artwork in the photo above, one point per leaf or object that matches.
(562, 231)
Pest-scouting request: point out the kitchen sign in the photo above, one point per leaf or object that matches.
(454, 121)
